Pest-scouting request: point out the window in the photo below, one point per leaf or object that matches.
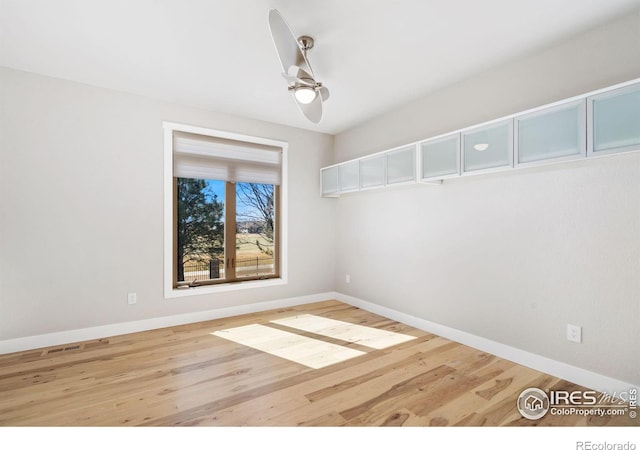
(224, 210)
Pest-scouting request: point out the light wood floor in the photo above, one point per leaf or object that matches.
(186, 376)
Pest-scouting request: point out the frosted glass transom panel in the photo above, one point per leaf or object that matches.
(616, 120)
(555, 133)
(488, 148)
(440, 157)
(330, 181)
(372, 171)
(349, 174)
(401, 165)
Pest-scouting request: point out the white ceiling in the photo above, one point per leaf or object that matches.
(373, 55)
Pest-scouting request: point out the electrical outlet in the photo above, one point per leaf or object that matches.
(347, 278)
(574, 333)
(132, 298)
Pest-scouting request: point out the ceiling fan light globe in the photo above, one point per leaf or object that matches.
(305, 94)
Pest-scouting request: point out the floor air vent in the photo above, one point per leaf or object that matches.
(63, 349)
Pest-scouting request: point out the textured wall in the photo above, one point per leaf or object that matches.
(514, 256)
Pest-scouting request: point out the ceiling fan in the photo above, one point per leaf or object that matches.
(307, 92)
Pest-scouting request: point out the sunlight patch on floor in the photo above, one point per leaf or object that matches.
(344, 331)
(300, 349)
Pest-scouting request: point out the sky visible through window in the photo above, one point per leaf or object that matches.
(216, 187)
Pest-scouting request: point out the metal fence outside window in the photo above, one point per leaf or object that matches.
(214, 269)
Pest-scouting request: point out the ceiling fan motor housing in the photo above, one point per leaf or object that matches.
(306, 42)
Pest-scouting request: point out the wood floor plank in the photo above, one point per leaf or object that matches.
(186, 376)
(509, 378)
(434, 347)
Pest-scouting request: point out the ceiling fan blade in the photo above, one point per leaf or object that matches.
(295, 80)
(324, 93)
(313, 110)
(286, 44)
(299, 73)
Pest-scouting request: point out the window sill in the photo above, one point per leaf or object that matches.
(224, 287)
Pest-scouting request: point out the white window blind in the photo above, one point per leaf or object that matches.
(214, 158)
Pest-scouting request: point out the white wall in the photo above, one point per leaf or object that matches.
(512, 257)
(81, 207)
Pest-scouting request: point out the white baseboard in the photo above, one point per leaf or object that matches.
(86, 334)
(583, 377)
(558, 369)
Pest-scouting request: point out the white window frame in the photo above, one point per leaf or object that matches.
(434, 140)
(620, 90)
(405, 148)
(487, 126)
(169, 290)
(558, 106)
